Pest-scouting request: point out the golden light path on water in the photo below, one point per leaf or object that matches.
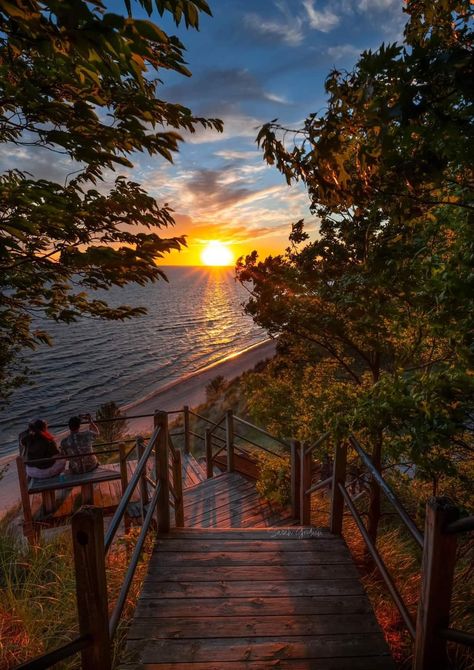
(193, 321)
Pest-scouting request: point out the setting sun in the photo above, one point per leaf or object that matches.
(217, 253)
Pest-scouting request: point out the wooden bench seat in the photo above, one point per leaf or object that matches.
(68, 479)
(47, 488)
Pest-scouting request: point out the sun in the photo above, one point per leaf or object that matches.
(217, 253)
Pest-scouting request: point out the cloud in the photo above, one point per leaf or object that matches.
(344, 51)
(236, 125)
(290, 31)
(234, 155)
(378, 5)
(324, 20)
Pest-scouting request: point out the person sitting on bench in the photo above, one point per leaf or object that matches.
(80, 444)
(39, 446)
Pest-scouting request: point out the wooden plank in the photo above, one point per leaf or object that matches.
(244, 626)
(214, 498)
(196, 607)
(358, 663)
(226, 480)
(216, 484)
(248, 589)
(172, 544)
(260, 649)
(225, 558)
(253, 573)
(223, 505)
(226, 533)
(244, 513)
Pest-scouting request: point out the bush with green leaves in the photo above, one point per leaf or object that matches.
(274, 482)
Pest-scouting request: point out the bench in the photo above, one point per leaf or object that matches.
(67, 480)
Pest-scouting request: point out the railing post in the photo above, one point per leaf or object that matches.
(187, 435)
(124, 479)
(208, 446)
(437, 573)
(305, 484)
(178, 486)
(91, 586)
(229, 425)
(295, 479)
(162, 471)
(143, 483)
(338, 477)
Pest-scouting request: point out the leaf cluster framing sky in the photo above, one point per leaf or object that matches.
(251, 62)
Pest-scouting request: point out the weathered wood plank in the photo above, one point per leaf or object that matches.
(231, 589)
(259, 649)
(211, 496)
(249, 533)
(213, 504)
(358, 663)
(245, 510)
(252, 573)
(201, 560)
(245, 626)
(173, 607)
(204, 545)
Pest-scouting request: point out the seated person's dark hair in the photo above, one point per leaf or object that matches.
(74, 423)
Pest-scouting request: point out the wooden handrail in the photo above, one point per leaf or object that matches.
(319, 441)
(60, 654)
(379, 563)
(403, 514)
(261, 430)
(464, 525)
(122, 506)
(259, 446)
(217, 425)
(119, 605)
(319, 485)
(204, 418)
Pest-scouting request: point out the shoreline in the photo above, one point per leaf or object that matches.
(188, 390)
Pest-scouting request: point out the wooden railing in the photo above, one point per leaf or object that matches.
(226, 442)
(430, 631)
(91, 544)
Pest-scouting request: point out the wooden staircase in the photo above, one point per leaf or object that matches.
(238, 587)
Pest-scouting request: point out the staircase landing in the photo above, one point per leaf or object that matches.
(218, 597)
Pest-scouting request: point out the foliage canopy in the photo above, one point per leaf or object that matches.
(376, 309)
(82, 83)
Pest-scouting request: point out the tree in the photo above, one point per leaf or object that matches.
(112, 423)
(81, 82)
(383, 296)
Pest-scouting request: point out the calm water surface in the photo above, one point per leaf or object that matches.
(195, 320)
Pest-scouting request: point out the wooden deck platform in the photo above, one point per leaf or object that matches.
(107, 494)
(230, 500)
(220, 595)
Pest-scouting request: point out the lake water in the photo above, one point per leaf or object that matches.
(195, 320)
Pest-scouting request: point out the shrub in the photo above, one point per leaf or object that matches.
(115, 423)
(274, 482)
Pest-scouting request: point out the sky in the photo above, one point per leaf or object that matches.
(251, 62)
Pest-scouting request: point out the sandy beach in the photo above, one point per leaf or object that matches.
(190, 390)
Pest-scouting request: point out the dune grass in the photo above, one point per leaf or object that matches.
(38, 594)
